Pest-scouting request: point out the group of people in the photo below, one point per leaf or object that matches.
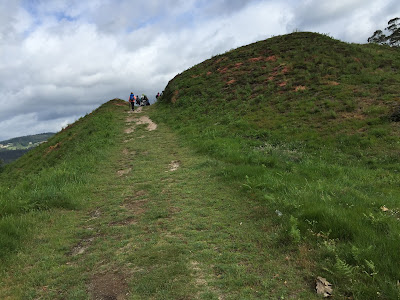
(141, 101)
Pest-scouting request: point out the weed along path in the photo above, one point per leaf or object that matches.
(160, 224)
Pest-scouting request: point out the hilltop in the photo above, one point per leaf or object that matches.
(309, 126)
(300, 87)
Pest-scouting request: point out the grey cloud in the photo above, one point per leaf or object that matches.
(224, 7)
(351, 21)
(71, 56)
(310, 13)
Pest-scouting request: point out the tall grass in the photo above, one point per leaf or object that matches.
(54, 175)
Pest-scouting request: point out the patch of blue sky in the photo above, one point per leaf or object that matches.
(32, 7)
(138, 24)
(186, 19)
(61, 16)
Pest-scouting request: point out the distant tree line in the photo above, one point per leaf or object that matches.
(392, 36)
(25, 140)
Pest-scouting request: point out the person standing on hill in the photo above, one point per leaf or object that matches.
(132, 101)
(145, 100)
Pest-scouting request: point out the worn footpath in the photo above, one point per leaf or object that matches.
(162, 225)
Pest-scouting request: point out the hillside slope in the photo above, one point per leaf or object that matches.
(308, 125)
(303, 87)
(115, 207)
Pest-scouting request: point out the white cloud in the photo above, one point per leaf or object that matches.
(60, 59)
(348, 20)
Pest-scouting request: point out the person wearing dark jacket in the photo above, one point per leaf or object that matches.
(132, 101)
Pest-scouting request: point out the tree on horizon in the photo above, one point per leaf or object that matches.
(392, 38)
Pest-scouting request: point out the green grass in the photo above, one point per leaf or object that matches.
(325, 156)
(53, 176)
(161, 234)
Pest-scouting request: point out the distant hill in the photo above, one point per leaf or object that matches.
(14, 148)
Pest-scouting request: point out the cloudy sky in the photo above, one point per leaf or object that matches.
(61, 59)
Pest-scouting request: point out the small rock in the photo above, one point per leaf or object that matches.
(323, 287)
(384, 208)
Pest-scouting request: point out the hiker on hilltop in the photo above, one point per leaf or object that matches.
(158, 95)
(137, 100)
(132, 101)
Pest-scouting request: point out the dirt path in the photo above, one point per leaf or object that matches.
(182, 235)
(161, 224)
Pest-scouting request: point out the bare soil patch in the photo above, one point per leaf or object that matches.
(334, 83)
(129, 130)
(136, 207)
(175, 96)
(54, 147)
(124, 172)
(140, 194)
(271, 58)
(174, 165)
(127, 221)
(200, 277)
(300, 88)
(95, 214)
(223, 70)
(108, 286)
(81, 247)
(138, 110)
(220, 59)
(146, 120)
(255, 59)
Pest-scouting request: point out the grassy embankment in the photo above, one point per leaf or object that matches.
(41, 192)
(306, 125)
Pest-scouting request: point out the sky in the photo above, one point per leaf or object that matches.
(61, 59)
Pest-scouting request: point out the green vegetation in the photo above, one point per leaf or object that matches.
(305, 124)
(286, 168)
(138, 230)
(53, 175)
(393, 37)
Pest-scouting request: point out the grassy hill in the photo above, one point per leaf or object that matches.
(308, 125)
(50, 176)
(272, 164)
(108, 209)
